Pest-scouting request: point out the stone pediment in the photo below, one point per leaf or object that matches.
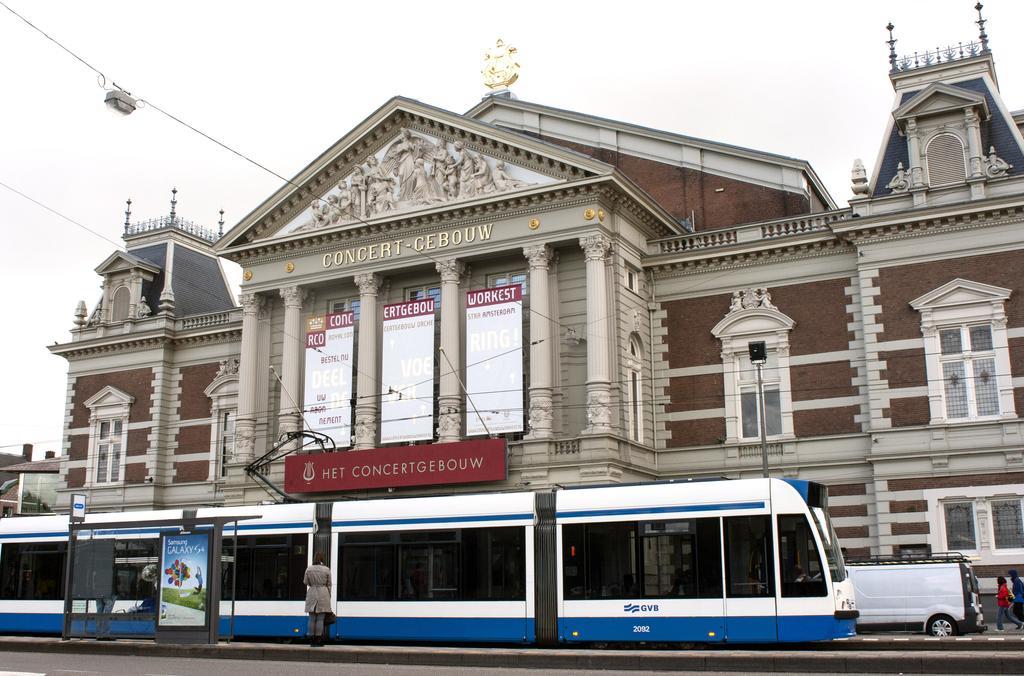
(413, 171)
(107, 397)
(119, 261)
(940, 98)
(409, 157)
(960, 292)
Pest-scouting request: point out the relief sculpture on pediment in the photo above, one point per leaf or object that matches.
(413, 172)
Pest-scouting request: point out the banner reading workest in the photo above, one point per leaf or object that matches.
(494, 360)
(474, 461)
(407, 372)
(327, 400)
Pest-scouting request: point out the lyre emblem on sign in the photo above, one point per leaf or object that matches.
(308, 474)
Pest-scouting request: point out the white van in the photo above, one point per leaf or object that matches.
(937, 595)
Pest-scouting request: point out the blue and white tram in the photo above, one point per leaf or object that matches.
(712, 561)
(706, 561)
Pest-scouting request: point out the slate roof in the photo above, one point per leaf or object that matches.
(198, 284)
(994, 132)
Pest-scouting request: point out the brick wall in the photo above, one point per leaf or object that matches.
(819, 309)
(822, 421)
(136, 382)
(904, 368)
(193, 439)
(191, 470)
(194, 380)
(909, 411)
(922, 483)
(822, 381)
(715, 201)
(902, 284)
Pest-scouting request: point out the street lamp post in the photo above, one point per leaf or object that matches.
(759, 357)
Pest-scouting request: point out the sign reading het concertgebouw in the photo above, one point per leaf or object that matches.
(456, 463)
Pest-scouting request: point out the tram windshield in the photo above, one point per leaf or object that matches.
(830, 545)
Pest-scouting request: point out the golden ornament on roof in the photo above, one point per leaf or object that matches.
(500, 67)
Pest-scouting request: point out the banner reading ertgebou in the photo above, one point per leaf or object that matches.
(494, 360)
(328, 392)
(407, 372)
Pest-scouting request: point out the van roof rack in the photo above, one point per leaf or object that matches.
(892, 559)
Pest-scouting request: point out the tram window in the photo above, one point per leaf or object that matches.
(131, 557)
(599, 561)
(367, 573)
(473, 564)
(493, 564)
(682, 559)
(32, 570)
(574, 561)
(799, 562)
(748, 556)
(270, 568)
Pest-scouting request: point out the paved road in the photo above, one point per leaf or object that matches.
(25, 664)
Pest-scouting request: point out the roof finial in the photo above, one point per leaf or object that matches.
(892, 48)
(174, 201)
(128, 215)
(220, 224)
(981, 28)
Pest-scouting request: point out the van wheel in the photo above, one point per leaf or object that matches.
(941, 625)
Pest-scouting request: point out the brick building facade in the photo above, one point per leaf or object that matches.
(894, 327)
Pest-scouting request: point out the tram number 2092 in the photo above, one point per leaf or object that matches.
(641, 629)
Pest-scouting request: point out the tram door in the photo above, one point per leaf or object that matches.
(750, 605)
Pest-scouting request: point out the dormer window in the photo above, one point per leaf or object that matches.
(945, 160)
(119, 304)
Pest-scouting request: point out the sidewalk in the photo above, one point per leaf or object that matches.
(943, 657)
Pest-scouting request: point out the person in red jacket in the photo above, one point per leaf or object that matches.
(1004, 598)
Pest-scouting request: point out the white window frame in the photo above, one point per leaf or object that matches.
(223, 394)
(424, 292)
(1004, 498)
(344, 305)
(984, 525)
(634, 390)
(974, 522)
(632, 279)
(108, 406)
(736, 331)
(495, 279)
(964, 303)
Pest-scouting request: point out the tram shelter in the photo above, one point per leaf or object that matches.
(159, 578)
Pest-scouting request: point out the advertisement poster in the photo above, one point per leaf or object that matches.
(183, 563)
(327, 400)
(407, 372)
(494, 360)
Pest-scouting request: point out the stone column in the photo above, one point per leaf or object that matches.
(599, 412)
(449, 404)
(974, 151)
(539, 259)
(248, 376)
(367, 390)
(290, 418)
(914, 155)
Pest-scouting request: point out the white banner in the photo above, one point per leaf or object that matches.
(494, 360)
(407, 372)
(328, 393)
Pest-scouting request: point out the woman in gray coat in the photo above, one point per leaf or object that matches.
(318, 598)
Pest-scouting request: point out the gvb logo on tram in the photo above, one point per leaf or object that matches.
(640, 608)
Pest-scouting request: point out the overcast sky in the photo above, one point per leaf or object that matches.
(283, 81)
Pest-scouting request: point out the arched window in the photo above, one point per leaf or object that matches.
(119, 304)
(634, 389)
(947, 164)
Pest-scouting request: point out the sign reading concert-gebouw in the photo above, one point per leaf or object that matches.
(407, 372)
(327, 400)
(494, 360)
(474, 461)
